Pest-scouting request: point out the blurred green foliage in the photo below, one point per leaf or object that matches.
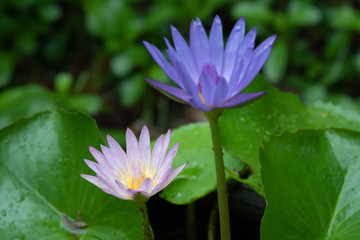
(95, 46)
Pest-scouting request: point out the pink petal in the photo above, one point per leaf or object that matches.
(94, 180)
(115, 194)
(99, 157)
(160, 181)
(168, 159)
(172, 175)
(165, 145)
(132, 148)
(119, 158)
(146, 186)
(144, 145)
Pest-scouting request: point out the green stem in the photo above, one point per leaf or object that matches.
(213, 117)
(147, 232)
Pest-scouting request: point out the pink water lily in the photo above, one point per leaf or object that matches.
(139, 170)
(208, 75)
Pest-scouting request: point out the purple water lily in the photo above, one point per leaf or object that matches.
(139, 170)
(208, 75)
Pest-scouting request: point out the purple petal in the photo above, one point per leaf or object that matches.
(244, 54)
(173, 56)
(176, 94)
(160, 59)
(199, 44)
(191, 88)
(214, 88)
(221, 92)
(216, 44)
(207, 83)
(184, 53)
(241, 99)
(257, 60)
(172, 175)
(231, 49)
(239, 71)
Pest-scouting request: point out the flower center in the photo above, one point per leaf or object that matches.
(136, 177)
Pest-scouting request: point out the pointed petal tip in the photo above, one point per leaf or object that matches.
(110, 138)
(241, 21)
(271, 39)
(145, 128)
(217, 19)
(168, 131)
(173, 29)
(129, 131)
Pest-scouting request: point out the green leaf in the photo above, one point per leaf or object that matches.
(117, 134)
(254, 12)
(311, 181)
(273, 114)
(40, 167)
(198, 177)
(344, 17)
(303, 14)
(6, 68)
(63, 82)
(25, 101)
(277, 62)
(131, 90)
(121, 64)
(89, 103)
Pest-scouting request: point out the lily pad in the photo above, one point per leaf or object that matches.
(198, 178)
(244, 129)
(41, 191)
(311, 181)
(25, 101)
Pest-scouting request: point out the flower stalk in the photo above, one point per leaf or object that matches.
(213, 117)
(147, 231)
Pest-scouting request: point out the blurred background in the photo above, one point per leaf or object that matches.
(88, 55)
